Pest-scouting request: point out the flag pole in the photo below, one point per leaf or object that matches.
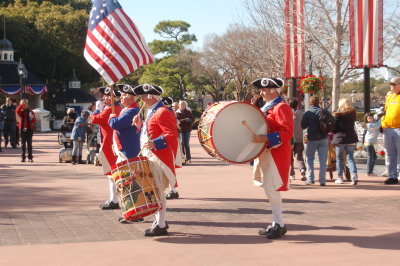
(112, 99)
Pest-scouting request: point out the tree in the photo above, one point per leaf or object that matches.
(173, 71)
(176, 33)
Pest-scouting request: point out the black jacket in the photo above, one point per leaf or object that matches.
(345, 124)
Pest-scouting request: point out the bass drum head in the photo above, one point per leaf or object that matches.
(232, 139)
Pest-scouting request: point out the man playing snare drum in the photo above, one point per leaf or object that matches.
(159, 137)
(107, 156)
(271, 169)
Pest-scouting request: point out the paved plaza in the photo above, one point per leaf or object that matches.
(49, 215)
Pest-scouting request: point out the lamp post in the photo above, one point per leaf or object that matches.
(23, 74)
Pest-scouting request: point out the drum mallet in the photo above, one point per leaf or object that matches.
(249, 128)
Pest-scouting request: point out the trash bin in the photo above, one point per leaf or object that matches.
(43, 120)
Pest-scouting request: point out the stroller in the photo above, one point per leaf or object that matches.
(92, 144)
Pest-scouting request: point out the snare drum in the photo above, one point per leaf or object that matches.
(223, 135)
(137, 191)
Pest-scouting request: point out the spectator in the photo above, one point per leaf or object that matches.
(1, 126)
(317, 141)
(371, 137)
(391, 130)
(9, 128)
(298, 146)
(186, 119)
(345, 139)
(26, 125)
(78, 137)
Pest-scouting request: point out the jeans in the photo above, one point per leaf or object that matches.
(297, 153)
(185, 145)
(349, 149)
(371, 158)
(26, 140)
(322, 147)
(9, 133)
(77, 148)
(392, 146)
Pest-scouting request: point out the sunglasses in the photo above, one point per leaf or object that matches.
(393, 84)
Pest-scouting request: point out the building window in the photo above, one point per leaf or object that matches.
(75, 84)
(5, 56)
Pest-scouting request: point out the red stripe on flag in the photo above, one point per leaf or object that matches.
(117, 50)
(139, 36)
(125, 43)
(105, 51)
(102, 64)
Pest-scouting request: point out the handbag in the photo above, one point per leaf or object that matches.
(338, 138)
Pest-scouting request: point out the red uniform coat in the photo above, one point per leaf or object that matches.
(106, 133)
(161, 126)
(280, 120)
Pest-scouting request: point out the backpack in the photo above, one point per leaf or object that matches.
(326, 122)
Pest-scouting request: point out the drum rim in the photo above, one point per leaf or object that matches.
(211, 127)
(130, 160)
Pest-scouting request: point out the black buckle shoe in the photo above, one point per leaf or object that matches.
(172, 195)
(265, 231)
(276, 231)
(156, 231)
(391, 181)
(109, 205)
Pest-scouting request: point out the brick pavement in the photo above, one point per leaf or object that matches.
(54, 206)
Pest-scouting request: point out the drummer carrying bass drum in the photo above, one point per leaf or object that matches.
(271, 169)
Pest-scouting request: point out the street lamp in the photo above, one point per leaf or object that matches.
(23, 74)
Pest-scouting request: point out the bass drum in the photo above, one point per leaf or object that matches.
(222, 134)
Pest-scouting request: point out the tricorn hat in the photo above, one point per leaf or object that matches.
(125, 88)
(270, 83)
(167, 100)
(148, 89)
(106, 91)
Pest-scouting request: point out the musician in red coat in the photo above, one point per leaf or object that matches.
(271, 169)
(107, 156)
(159, 137)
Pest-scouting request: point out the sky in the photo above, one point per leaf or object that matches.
(204, 16)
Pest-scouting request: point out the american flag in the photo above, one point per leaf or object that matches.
(366, 33)
(114, 46)
(294, 39)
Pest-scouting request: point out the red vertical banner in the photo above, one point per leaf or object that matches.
(366, 33)
(294, 39)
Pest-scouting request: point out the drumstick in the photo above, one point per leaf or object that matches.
(139, 113)
(249, 128)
